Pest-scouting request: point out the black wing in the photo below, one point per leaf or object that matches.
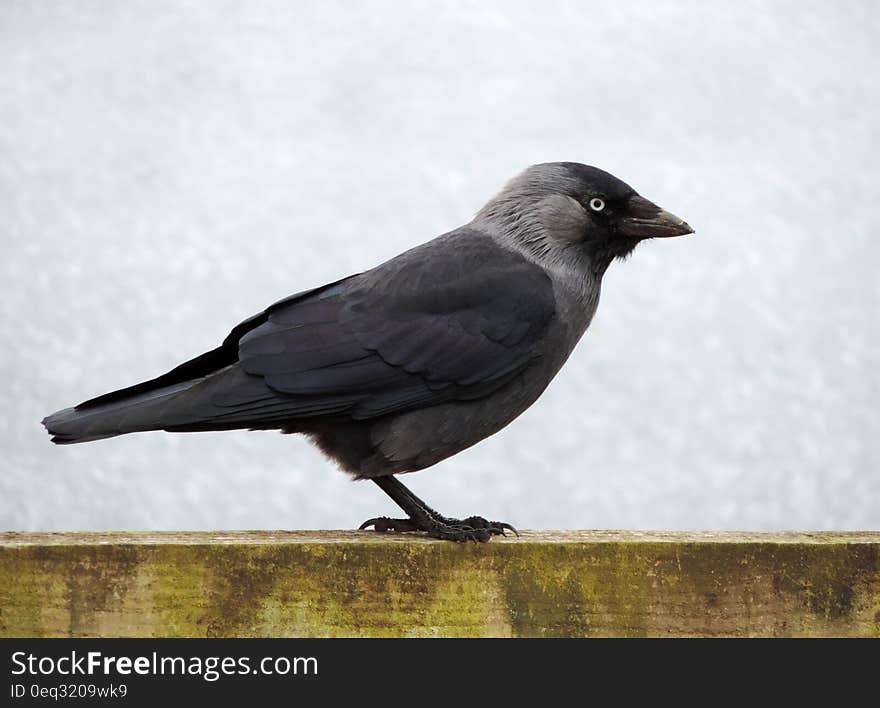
(456, 318)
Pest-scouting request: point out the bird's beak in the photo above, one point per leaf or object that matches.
(646, 220)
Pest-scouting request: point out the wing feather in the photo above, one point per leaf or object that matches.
(454, 319)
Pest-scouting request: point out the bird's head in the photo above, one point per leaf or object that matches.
(558, 209)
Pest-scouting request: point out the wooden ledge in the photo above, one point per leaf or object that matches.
(350, 583)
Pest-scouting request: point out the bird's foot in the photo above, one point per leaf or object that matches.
(495, 528)
(473, 528)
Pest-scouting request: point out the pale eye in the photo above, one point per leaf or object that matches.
(597, 204)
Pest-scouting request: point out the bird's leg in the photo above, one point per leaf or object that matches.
(424, 518)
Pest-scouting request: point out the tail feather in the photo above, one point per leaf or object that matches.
(136, 413)
(223, 400)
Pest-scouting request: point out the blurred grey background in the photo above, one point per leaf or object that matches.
(169, 168)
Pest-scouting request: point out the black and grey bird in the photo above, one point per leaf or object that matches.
(397, 368)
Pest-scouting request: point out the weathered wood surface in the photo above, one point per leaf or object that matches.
(347, 583)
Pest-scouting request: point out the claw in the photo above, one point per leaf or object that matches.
(383, 523)
(496, 528)
(504, 526)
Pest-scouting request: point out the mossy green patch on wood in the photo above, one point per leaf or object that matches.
(369, 584)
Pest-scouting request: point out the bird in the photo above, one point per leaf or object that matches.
(394, 369)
